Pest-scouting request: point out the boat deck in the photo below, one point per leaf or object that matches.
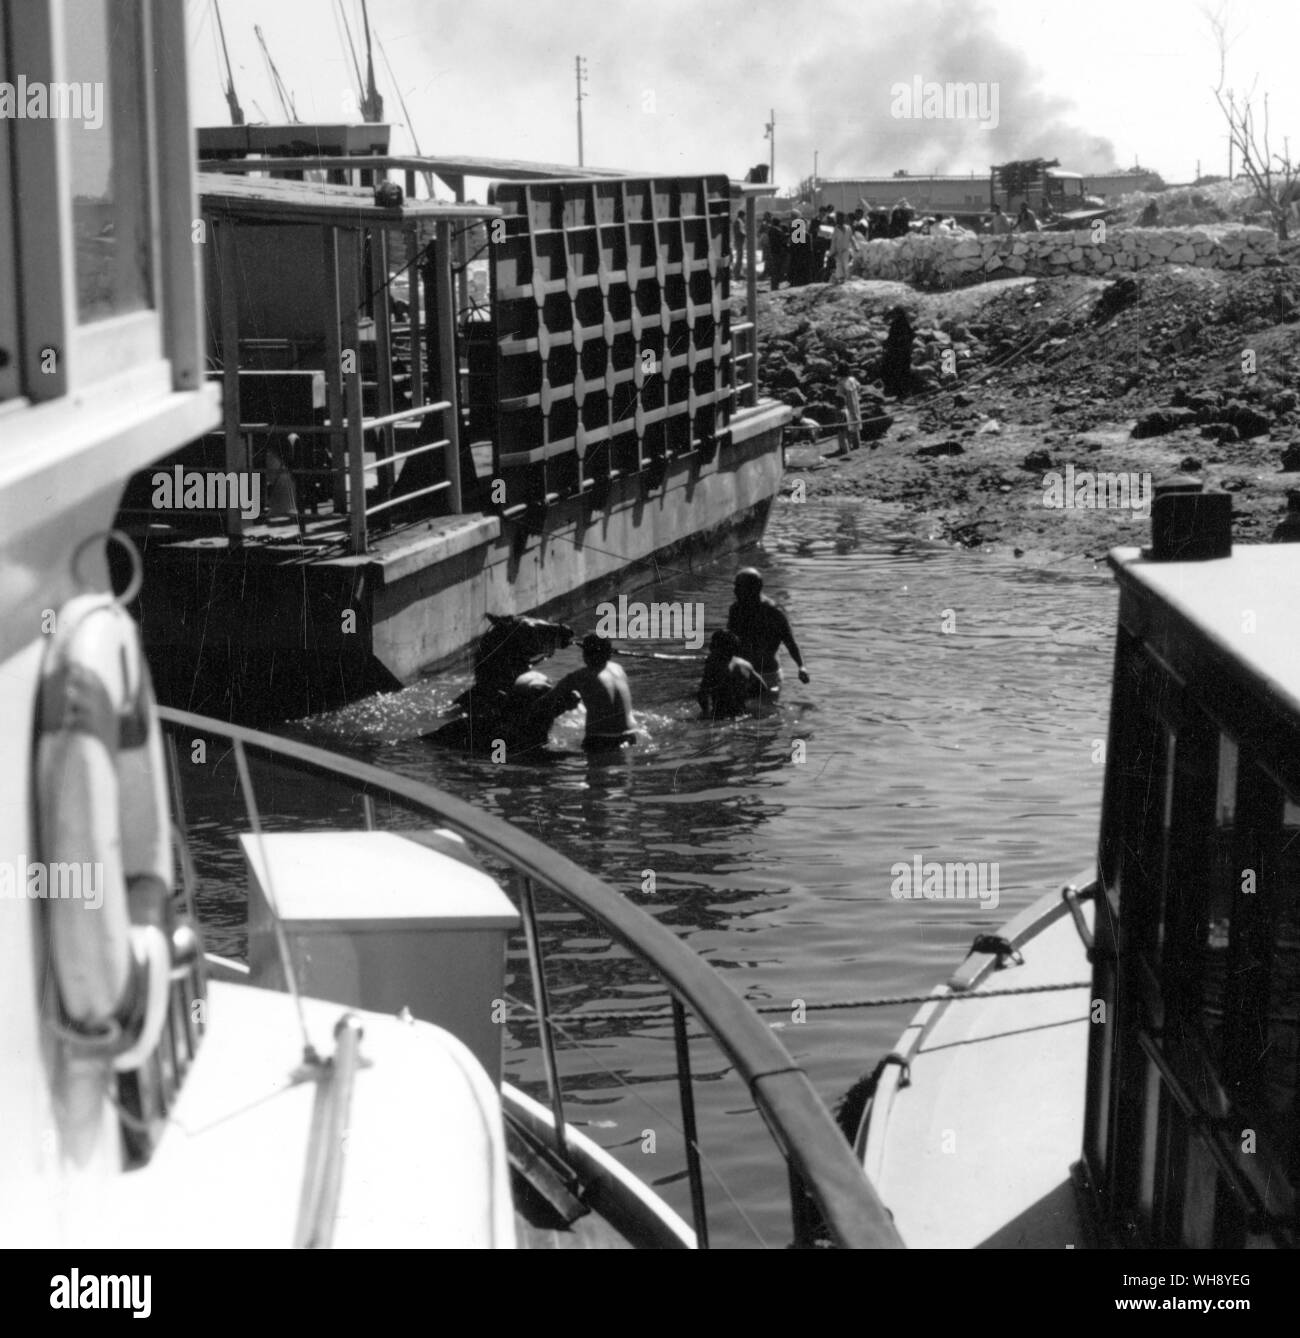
(975, 1151)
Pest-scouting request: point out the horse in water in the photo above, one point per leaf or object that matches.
(502, 705)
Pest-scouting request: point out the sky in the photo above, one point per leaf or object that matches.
(682, 86)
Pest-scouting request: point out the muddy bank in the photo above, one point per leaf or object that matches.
(1022, 386)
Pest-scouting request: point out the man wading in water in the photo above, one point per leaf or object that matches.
(763, 629)
(603, 689)
(728, 681)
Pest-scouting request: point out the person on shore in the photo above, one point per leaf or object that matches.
(762, 629)
(776, 248)
(602, 687)
(1150, 216)
(841, 248)
(728, 682)
(802, 239)
(738, 245)
(1027, 220)
(900, 220)
(896, 361)
(999, 224)
(824, 244)
(847, 388)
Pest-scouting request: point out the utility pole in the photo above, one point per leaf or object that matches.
(770, 133)
(580, 76)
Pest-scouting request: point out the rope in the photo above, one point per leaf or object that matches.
(882, 1001)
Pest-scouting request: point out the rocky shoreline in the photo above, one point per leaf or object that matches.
(1022, 385)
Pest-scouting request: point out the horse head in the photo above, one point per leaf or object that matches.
(514, 643)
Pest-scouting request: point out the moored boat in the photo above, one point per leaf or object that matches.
(344, 1086)
(1118, 1067)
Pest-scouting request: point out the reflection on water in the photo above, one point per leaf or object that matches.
(954, 709)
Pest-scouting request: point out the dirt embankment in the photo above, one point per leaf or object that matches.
(1184, 370)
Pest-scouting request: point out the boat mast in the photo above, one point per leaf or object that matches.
(401, 102)
(281, 89)
(232, 98)
(372, 105)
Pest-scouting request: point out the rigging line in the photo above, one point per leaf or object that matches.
(310, 1055)
(664, 1014)
(663, 1115)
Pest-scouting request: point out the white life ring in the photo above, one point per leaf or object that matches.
(103, 809)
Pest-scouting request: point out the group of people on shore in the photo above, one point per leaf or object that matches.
(741, 670)
(800, 250)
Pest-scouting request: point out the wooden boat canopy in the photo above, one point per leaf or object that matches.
(265, 198)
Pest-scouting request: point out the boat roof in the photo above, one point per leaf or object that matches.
(1213, 596)
(502, 169)
(449, 168)
(320, 202)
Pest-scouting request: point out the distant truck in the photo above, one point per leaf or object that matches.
(1058, 198)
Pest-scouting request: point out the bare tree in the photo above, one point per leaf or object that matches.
(1273, 174)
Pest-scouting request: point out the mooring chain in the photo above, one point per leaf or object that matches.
(884, 1001)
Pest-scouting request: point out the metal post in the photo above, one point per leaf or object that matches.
(688, 1125)
(771, 130)
(236, 452)
(334, 366)
(356, 464)
(461, 255)
(579, 76)
(448, 367)
(383, 351)
(751, 292)
(543, 1012)
(417, 320)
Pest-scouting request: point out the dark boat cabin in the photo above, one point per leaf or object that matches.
(1191, 1136)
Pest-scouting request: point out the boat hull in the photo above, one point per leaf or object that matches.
(971, 1145)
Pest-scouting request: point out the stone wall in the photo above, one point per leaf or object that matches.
(950, 262)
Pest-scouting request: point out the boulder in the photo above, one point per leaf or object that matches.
(1160, 421)
(1248, 420)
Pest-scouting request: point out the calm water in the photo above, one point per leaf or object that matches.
(771, 839)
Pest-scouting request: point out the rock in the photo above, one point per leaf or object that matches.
(796, 399)
(1291, 458)
(1205, 405)
(1159, 421)
(1189, 464)
(1223, 432)
(941, 448)
(961, 400)
(1037, 461)
(1249, 421)
(784, 378)
(990, 427)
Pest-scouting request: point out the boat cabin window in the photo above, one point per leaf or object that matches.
(108, 159)
(1193, 1129)
(96, 199)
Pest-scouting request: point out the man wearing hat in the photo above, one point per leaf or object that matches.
(601, 686)
(763, 629)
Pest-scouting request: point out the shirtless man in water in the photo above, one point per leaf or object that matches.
(763, 629)
(728, 681)
(603, 689)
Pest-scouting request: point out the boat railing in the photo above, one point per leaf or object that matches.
(354, 472)
(744, 343)
(821, 1165)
